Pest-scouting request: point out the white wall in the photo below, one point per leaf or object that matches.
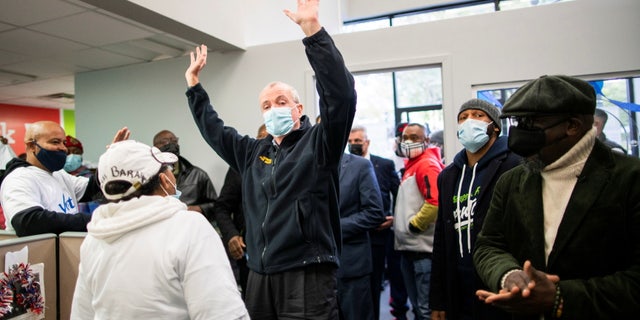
(580, 38)
(265, 21)
(222, 19)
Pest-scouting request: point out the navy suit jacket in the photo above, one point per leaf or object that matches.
(360, 211)
(388, 181)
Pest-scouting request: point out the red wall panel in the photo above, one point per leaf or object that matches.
(14, 121)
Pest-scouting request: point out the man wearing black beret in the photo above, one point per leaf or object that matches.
(561, 238)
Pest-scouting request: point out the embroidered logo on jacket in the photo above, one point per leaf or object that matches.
(265, 159)
(464, 216)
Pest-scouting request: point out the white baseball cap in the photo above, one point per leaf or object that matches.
(133, 162)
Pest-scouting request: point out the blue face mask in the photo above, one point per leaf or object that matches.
(178, 192)
(278, 121)
(53, 160)
(472, 134)
(74, 161)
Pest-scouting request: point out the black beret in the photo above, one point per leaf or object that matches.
(556, 94)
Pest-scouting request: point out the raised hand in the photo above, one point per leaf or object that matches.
(121, 135)
(306, 16)
(198, 61)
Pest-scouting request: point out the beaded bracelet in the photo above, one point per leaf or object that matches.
(557, 303)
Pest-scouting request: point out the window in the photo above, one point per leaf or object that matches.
(442, 14)
(617, 97)
(388, 97)
(439, 12)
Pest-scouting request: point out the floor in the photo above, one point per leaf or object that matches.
(384, 306)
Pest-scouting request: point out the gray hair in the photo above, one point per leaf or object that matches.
(356, 128)
(291, 89)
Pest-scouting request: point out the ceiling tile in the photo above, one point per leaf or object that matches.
(42, 103)
(42, 40)
(126, 49)
(13, 78)
(44, 68)
(5, 27)
(80, 3)
(174, 41)
(31, 43)
(9, 58)
(39, 88)
(26, 12)
(96, 59)
(129, 21)
(159, 48)
(96, 30)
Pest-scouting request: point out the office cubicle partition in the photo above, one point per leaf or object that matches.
(4, 234)
(42, 249)
(68, 263)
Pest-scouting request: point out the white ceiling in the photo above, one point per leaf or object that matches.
(44, 43)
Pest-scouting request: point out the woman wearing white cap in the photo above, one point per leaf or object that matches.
(145, 255)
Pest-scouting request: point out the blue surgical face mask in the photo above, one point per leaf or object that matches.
(53, 160)
(472, 134)
(178, 192)
(278, 121)
(74, 161)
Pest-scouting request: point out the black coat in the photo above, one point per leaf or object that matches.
(228, 212)
(290, 191)
(196, 187)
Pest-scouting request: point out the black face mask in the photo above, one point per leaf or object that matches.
(356, 149)
(53, 160)
(171, 147)
(527, 142)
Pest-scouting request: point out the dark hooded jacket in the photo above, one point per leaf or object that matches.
(12, 165)
(290, 191)
(453, 278)
(228, 212)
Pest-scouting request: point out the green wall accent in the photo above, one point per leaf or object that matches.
(69, 122)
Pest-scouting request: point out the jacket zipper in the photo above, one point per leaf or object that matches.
(266, 215)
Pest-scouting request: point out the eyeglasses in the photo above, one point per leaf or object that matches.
(164, 141)
(537, 121)
(523, 122)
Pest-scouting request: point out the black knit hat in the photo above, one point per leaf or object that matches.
(556, 94)
(492, 111)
